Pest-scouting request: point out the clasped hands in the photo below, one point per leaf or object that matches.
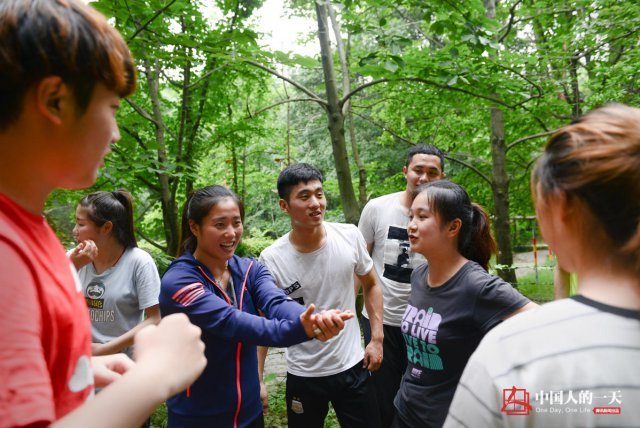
(326, 324)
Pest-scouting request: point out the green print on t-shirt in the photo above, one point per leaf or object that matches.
(420, 328)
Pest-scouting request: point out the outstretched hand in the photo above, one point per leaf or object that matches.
(325, 325)
(83, 254)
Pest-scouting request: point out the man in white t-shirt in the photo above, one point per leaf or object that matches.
(383, 224)
(315, 263)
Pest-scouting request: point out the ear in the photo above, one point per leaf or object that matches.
(404, 171)
(284, 206)
(454, 226)
(53, 99)
(194, 227)
(107, 227)
(568, 206)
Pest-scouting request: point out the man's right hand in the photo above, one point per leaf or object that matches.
(325, 325)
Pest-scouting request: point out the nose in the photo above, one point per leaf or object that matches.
(412, 225)
(314, 201)
(230, 230)
(116, 134)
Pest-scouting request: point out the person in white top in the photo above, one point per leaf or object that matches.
(315, 263)
(573, 362)
(383, 224)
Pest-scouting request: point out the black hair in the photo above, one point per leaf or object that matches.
(197, 207)
(116, 207)
(426, 149)
(294, 174)
(449, 201)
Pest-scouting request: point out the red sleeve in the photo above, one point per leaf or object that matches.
(25, 390)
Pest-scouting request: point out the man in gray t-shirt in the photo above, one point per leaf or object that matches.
(383, 224)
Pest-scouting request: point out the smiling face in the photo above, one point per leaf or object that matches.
(422, 169)
(219, 233)
(426, 233)
(306, 205)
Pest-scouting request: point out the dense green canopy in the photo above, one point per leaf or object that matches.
(486, 81)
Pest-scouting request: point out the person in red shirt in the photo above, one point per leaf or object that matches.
(63, 70)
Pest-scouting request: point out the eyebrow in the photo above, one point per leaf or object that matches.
(310, 190)
(226, 217)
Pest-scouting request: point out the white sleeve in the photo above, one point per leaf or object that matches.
(366, 223)
(147, 281)
(364, 262)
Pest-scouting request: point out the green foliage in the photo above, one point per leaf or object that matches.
(252, 246)
(446, 63)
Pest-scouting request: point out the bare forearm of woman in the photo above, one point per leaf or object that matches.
(119, 343)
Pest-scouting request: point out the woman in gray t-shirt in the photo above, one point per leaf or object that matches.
(120, 281)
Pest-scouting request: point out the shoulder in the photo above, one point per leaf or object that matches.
(182, 268)
(138, 255)
(376, 206)
(381, 201)
(342, 228)
(348, 233)
(241, 264)
(474, 275)
(540, 320)
(279, 245)
(420, 272)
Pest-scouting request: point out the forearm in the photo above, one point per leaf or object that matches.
(262, 357)
(121, 342)
(128, 401)
(374, 305)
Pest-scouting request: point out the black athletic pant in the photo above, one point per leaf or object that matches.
(349, 393)
(386, 381)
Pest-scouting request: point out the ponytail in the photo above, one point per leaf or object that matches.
(116, 207)
(480, 244)
(188, 242)
(450, 201)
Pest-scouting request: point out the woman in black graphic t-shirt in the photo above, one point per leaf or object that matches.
(453, 302)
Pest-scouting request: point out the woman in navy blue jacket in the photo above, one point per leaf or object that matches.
(223, 294)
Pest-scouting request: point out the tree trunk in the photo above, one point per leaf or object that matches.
(336, 121)
(168, 204)
(346, 88)
(576, 109)
(500, 182)
(500, 186)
